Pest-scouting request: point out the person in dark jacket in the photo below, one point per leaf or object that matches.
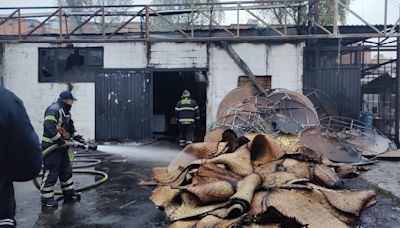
(187, 113)
(58, 127)
(20, 154)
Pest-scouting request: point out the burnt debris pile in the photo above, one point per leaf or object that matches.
(273, 161)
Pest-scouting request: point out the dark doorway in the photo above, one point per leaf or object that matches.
(167, 90)
(123, 105)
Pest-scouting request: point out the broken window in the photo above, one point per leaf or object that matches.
(265, 81)
(71, 64)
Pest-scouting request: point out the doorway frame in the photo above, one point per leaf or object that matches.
(192, 69)
(151, 70)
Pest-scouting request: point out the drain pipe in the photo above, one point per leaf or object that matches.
(2, 65)
(397, 105)
(239, 61)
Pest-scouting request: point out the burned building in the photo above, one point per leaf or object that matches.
(139, 83)
(128, 82)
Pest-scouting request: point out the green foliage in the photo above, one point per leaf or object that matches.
(109, 21)
(93, 2)
(279, 16)
(326, 12)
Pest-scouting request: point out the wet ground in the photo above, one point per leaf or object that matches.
(121, 202)
(384, 214)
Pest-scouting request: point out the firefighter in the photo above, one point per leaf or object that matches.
(187, 113)
(20, 154)
(58, 127)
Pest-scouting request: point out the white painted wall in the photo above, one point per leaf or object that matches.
(20, 71)
(21, 76)
(125, 55)
(178, 55)
(284, 62)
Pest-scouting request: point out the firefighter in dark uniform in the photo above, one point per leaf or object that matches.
(20, 153)
(187, 113)
(58, 127)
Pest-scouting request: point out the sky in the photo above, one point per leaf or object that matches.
(371, 10)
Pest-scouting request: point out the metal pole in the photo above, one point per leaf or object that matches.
(237, 19)
(66, 24)
(103, 21)
(147, 22)
(243, 66)
(124, 24)
(170, 23)
(358, 16)
(316, 10)
(60, 21)
(213, 3)
(379, 52)
(82, 24)
(19, 24)
(262, 21)
(335, 16)
(9, 17)
(397, 106)
(385, 23)
(41, 24)
(285, 25)
(192, 19)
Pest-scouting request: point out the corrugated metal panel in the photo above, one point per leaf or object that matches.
(343, 86)
(341, 82)
(123, 105)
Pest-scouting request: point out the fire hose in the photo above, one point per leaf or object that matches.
(78, 171)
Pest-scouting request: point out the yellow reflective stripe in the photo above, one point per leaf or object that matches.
(177, 109)
(48, 195)
(51, 140)
(52, 118)
(187, 108)
(57, 136)
(45, 139)
(69, 181)
(46, 174)
(68, 188)
(185, 101)
(47, 189)
(197, 107)
(59, 124)
(186, 120)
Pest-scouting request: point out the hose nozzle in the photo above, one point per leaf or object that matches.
(87, 146)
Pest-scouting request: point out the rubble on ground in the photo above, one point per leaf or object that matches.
(269, 162)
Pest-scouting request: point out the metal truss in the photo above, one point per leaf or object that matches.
(304, 10)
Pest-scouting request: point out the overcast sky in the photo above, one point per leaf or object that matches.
(371, 10)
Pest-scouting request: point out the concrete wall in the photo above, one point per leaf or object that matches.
(20, 71)
(284, 62)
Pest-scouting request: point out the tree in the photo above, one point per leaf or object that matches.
(184, 21)
(109, 20)
(326, 12)
(324, 7)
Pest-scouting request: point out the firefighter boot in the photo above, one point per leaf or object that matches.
(70, 198)
(49, 202)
